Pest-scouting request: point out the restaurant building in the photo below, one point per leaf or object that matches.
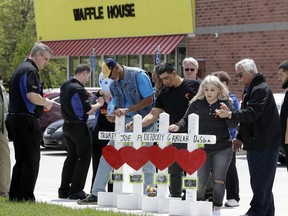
(217, 33)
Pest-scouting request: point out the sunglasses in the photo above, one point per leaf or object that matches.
(189, 69)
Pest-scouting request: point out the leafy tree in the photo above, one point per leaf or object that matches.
(17, 36)
(17, 33)
(54, 74)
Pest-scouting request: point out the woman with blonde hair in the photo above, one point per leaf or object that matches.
(211, 95)
(222, 92)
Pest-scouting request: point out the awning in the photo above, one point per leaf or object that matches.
(116, 46)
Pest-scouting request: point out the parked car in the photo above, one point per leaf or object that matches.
(54, 113)
(279, 97)
(53, 135)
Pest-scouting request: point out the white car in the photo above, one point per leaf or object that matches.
(279, 97)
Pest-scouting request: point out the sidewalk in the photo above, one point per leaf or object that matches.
(50, 174)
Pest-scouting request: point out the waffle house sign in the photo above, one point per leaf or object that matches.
(112, 12)
(85, 19)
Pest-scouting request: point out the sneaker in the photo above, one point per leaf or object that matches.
(216, 212)
(89, 200)
(231, 203)
(78, 195)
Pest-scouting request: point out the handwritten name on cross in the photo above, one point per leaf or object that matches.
(157, 137)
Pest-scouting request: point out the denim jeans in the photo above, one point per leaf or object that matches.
(104, 169)
(217, 163)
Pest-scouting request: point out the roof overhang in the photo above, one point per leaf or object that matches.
(116, 46)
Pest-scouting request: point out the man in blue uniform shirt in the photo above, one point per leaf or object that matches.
(75, 108)
(26, 104)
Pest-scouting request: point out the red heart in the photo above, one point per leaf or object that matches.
(190, 161)
(135, 158)
(112, 156)
(162, 158)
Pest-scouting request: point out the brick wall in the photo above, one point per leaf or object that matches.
(236, 12)
(267, 48)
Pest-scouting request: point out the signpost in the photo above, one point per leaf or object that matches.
(93, 67)
(158, 56)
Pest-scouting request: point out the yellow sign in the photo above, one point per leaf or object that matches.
(87, 19)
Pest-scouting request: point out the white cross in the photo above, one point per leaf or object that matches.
(193, 138)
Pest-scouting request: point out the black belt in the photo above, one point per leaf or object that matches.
(23, 114)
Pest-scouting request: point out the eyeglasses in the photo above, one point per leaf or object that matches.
(46, 59)
(240, 75)
(189, 69)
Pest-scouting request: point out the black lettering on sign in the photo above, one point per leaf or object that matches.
(78, 14)
(120, 11)
(125, 138)
(88, 13)
(139, 137)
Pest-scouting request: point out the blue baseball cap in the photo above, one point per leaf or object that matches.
(108, 65)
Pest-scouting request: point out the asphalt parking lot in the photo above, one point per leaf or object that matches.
(51, 166)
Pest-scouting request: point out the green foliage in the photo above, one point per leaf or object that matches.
(54, 74)
(44, 209)
(17, 36)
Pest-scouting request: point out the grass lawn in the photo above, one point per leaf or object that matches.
(44, 209)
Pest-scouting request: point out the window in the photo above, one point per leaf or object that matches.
(122, 59)
(133, 60)
(148, 63)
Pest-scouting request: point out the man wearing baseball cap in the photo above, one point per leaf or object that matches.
(133, 94)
